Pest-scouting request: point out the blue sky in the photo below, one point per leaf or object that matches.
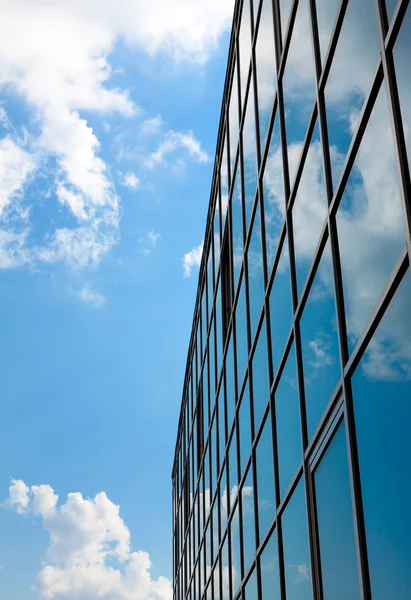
(109, 116)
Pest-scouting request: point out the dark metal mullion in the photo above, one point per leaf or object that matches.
(396, 23)
(396, 121)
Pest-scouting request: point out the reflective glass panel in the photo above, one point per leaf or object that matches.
(261, 384)
(326, 14)
(265, 66)
(296, 550)
(216, 531)
(225, 571)
(369, 221)
(235, 552)
(281, 311)
(216, 583)
(288, 423)
(244, 45)
(274, 198)
(351, 72)
(213, 455)
(224, 184)
(309, 210)
(299, 85)
(221, 427)
(285, 7)
(241, 335)
(270, 578)
(219, 330)
(265, 478)
(248, 519)
(237, 228)
(245, 429)
(255, 273)
(249, 156)
(223, 502)
(233, 470)
(211, 365)
(319, 340)
(335, 523)
(402, 52)
(382, 392)
(234, 120)
(230, 383)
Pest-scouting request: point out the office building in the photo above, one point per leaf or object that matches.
(291, 477)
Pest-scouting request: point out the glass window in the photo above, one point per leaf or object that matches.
(309, 210)
(299, 85)
(250, 590)
(245, 429)
(369, 221)
(244, 45)
(230, 384)
(295, 544)
(274, 197)
(216, 530)
(270, 578)
(216, 583)
(265, 67)
(225, 571)
(213, 455)
(248, 519)
(217, 239)
(223, 501)
(249, 156)
(224, 184)
(241, 335)
(288, 423)
(261, 383)
(350, 76)
(235, 552)
(319, 340)
(335, 523)
(211, 364)
(265, 478)
(210, 278)
(204, 321)
(281, 311)
(233, 470)
(221, 427)
(402, 52)
(327, 11)
(219, 330)
(255, 273)
(237, 228)
(234, 119)
(382, 390)
(205, 397)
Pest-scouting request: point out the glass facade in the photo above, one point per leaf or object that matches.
(291, 477)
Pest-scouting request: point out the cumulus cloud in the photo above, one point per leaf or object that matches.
(56, 58)
(192, 259)
(149, 242)
(90, 296)
(130, 180)
(89, 553)
(174, 141)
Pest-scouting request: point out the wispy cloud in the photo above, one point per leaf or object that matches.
(130, 180)
(92, 297)
(173, 141)
(149, 242)
(192, 259)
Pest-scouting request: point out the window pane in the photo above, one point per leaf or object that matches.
(285, 7)
(309, 210)
(402, 52)
(319, 341)
(295, 543)
(248, 519)
(382, 391)
(230, 384)
(219, 331)
(241, 335)
(221, 426)
(261, 386)
(281, 311)
(255, 273)
(350, 77)
(265, 479)
(213, 455)
(233, 470)
(274, 198)
(225, 571)
(244, 45)
(299, 85)
(235, 552)
(245, 429)
(237, 228)
(250, 590)
(265, 64)
(234, 119)
(369, 221)
(326, 14)
(335, 523)
(249, 156)
(270, 580)
(288, 423)
(224, 184)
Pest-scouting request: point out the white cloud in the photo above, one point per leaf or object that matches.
(90, 296)
(130, 180)
(89, 554)
(149, 242)
(172, 142)
(150, 127)
(56, 58)
(192, 259)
